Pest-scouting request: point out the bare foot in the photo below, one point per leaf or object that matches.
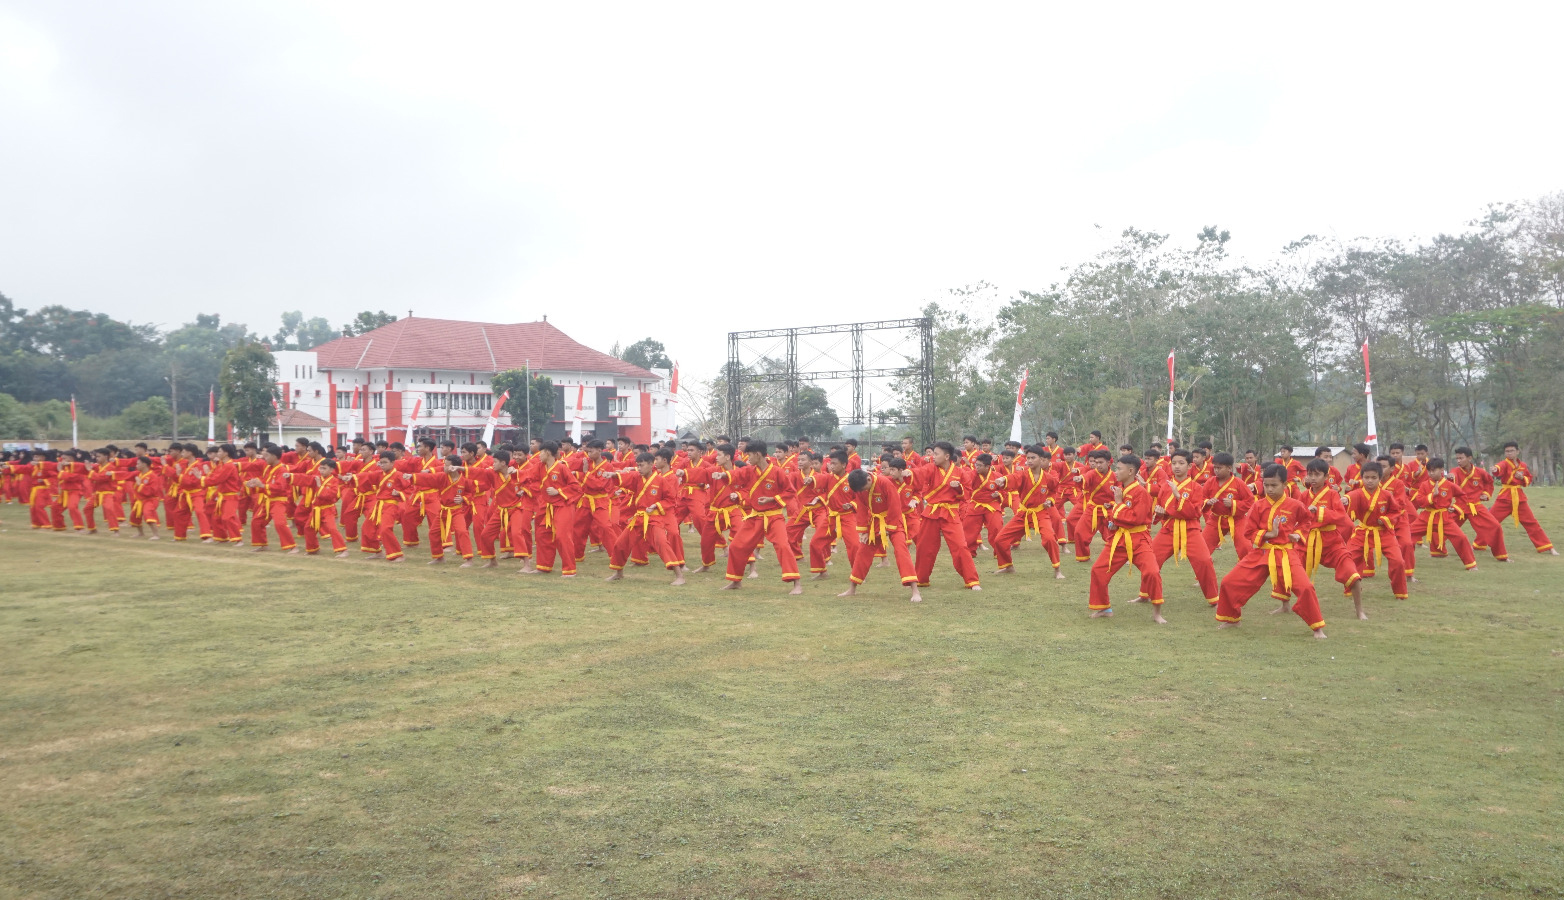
(437, 560)
(798, 588)
(917, 597)
(1279, 609)
(156, 538)
(342, 555)
(702, 570)
(257, 549)
(821, 576)
(752, 573)
(852, 589)
(1058, 574)
(1319, 634)
(529, 570)
(1141, 600)
(293, 552)
(617, 576)
(466, 564)
(1102, 613)
(1156, 616)
(677, 581)
(491, 564)
(1227, 624)
(203, 540)
(399, 559)
(732, 585)
(1411, 579)
(567, 575)
(975, 587)
(1007, 570)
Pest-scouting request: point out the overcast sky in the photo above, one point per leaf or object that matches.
(682, 170)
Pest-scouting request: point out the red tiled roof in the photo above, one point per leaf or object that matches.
(298, 418)
(418, 343)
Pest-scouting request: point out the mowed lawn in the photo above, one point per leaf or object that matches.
(192, 721)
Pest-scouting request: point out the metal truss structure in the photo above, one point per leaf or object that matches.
(899, 360)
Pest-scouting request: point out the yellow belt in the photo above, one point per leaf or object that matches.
(1314, 551)
(1180, 529)
(1436, 529)
(1379, 547)
(1222, 533)
(1031, 517)
(589, 501)
(1276, 557)
(722, 517)
(766, 514)
(987, 506)
(1515, 502)
(315, 514)
(955, 508)
(644, 517)
(1129, 542)
(879, 526)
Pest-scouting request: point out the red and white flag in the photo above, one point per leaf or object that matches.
(575, 426)
(412, 421)
(494, 419)
(1015, 422)
(278, 408)
(1368, 393)
(1170, 395)
(211, 415)
(73, 421)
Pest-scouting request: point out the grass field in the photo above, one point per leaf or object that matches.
(190, 721)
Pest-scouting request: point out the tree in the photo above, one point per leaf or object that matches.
(193, 357)
(367, 321)
(298, 333)
(542, 402)
(648, 354)
(14, 420)
(248, 380)
(813, 414)
(147, 418)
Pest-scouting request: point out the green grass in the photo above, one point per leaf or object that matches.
(189, 721)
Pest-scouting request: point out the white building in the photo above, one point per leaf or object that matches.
(442, 368)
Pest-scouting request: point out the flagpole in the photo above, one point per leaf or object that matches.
(1368, 394)
(74, 441)
(1170, 395)
(211, 415)
(1015, 422)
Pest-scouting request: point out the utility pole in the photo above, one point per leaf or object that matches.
(527, 370)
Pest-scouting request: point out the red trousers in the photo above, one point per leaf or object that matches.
(798, 523)
(557, 535)
(141, 511)
(972, 525)
(1016, 529)
(1083, 526)
(595, 524)
(1193, 545)
(645, 534)
(1368, 545)
(927, 538)
(323, 521)
(1327, 548)
(1512, 501)
(1490, 534)
(450, 529)
(867, 551)
(1283, 567)
(1125, 547)
(352, 508)
(275, 512)
(224, 516)
(389, 519)
(1441, 527)
(748, 535)
(827, 530)
(1221, 527)
(108, 501)
(503, 525)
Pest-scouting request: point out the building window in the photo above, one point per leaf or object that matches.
(344, 399)
(377, 400)
(618, 406)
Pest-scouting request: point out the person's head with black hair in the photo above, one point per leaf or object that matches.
(1100, 459)
(549, 450)
(725, 453)
(272, 453)
(858, 479)
(1370, 474)
(1274, 477)
(942, 453)
(1362, 453)
(329, 466)
(1436, 467)
(1322, 452)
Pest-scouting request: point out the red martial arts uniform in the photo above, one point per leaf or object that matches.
(1181, 537)
(1276, 558)
(763, 492)
(882, 528)
(1375, 516)
(1034, 505)
(1127, 522)
(939, 493)
(1512, 479)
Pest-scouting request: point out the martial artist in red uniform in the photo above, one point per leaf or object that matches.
(1182, 502)
(1476, 486)
(1375, 512)
(938, 487)
(1228, 499)
(1034, 491)
(1281, 527)
(645, 530)
(881, 524)
(556, 514)
(1441, 520)
(1126, 521)
(1325, 543)
(762, 488)
(1511, 478)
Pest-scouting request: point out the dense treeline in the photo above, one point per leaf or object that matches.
(1466, 333)
(125, 377)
